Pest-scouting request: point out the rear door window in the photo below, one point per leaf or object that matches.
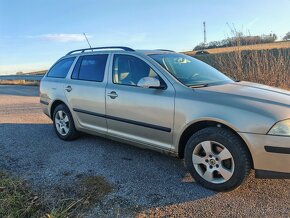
(61, 68)
(91, 68)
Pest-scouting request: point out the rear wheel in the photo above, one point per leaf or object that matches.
(63, 123)
(217, 159)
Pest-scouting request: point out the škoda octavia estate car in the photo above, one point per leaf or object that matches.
(173, 103)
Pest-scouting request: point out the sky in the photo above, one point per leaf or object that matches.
(35, 33)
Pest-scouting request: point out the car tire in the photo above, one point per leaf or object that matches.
(217, 159)
(64, 124)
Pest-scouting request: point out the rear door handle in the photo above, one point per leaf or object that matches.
(68, 88)
(113, 95)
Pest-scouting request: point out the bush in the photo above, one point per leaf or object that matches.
(269, 67)
(286, 37)
(238, 40)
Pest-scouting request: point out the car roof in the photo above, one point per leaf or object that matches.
(157, 51)
(112, 49)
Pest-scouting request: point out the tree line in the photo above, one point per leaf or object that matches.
(240, 39)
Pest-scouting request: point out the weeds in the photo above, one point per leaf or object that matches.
(269, 67)
(90, 190)
(17, 199)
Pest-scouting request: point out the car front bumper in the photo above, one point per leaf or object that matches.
(271, 154)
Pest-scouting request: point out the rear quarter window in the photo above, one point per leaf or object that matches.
(61, 68)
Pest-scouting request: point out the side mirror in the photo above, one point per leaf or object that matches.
(149, 82)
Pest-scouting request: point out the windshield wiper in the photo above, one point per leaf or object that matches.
(198, 85)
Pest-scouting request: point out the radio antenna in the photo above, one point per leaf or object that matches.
(87, 40)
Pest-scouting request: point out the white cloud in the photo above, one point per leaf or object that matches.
(62, 37)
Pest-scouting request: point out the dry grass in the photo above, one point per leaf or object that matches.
(266, 46)
(269, 67)
(17, 199)
(89, 191)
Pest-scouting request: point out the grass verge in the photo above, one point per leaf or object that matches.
(18, 200)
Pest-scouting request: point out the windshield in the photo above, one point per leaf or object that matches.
(190, 71)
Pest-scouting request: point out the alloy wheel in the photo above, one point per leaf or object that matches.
(213, 162)
(62, 122)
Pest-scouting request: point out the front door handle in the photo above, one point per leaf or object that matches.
(113, 95)
(68, 88)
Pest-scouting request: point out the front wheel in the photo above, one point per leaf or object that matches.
(217, 159)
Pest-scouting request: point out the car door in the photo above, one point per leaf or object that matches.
(143, 115)
(85, 92)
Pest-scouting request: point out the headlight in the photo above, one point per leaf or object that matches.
(281, 128)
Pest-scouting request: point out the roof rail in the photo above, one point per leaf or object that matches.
(106, 47)
(165, 50)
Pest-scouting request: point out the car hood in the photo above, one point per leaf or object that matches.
(255, 91)
(250, 96)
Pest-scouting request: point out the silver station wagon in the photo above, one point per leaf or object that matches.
(171, 102)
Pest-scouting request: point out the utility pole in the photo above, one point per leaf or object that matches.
(204, 33)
